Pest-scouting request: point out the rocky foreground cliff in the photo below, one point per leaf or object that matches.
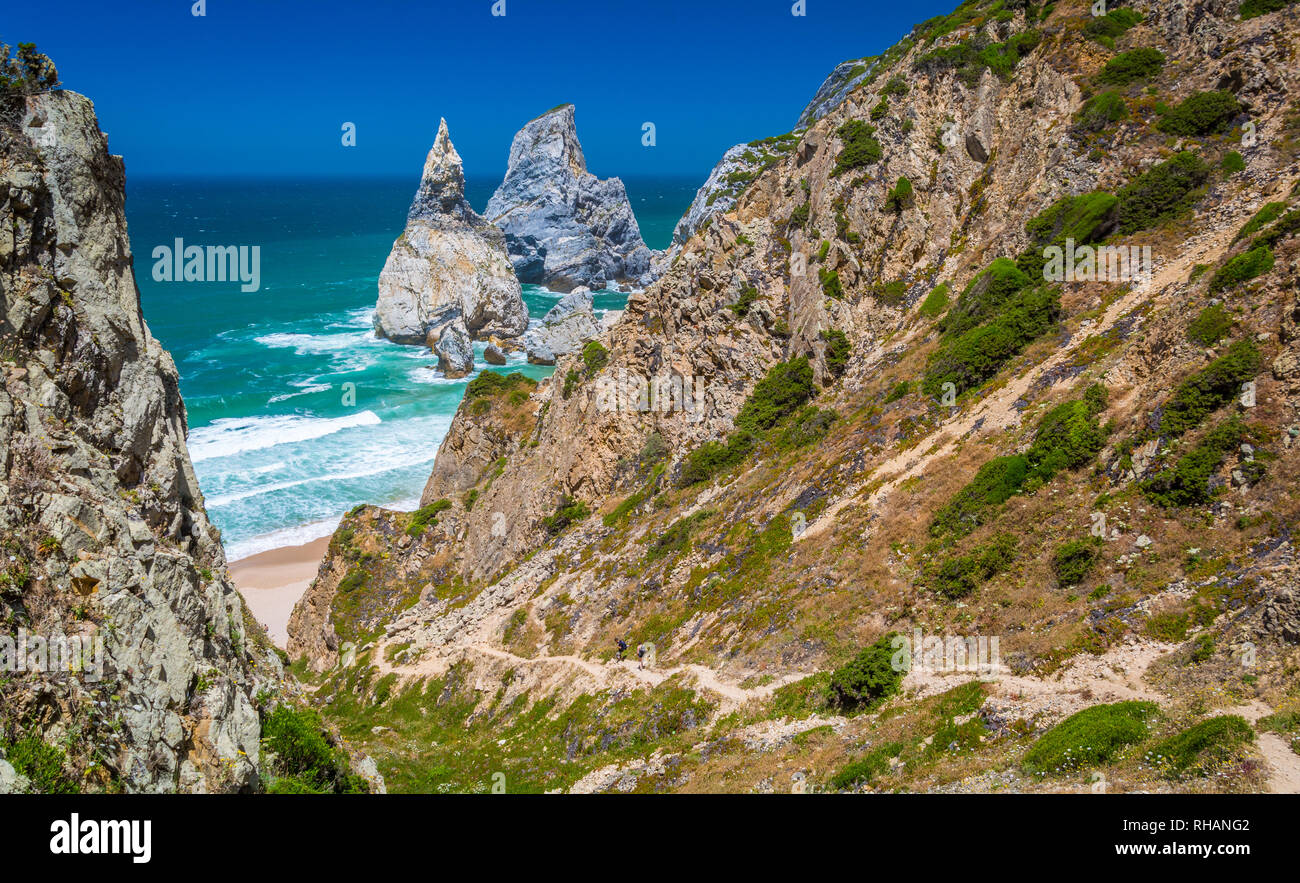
(897, 394)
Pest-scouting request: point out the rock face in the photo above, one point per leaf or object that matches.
(103, 526)
(448, 264)
(455, 350)
(564, 329)
(564, 226)
(716, 195)
(834, 89)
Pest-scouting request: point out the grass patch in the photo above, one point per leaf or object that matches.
(1091, 737)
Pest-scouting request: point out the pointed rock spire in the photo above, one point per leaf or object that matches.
(442, 184)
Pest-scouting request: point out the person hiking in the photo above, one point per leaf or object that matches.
(640, 657)
(622, 648)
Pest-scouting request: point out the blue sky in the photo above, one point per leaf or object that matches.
(263, 87)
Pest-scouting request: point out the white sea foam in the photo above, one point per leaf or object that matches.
(235, 435)
(301, 534)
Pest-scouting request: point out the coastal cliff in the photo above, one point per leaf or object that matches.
(105, 538)
(448, 278)
(565, 227)
(911, 420)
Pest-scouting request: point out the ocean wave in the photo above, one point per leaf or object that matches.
(388, 465)
(305, 391)
(301, 534)
(235, 435)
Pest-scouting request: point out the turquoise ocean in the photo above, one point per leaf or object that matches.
(280, 450)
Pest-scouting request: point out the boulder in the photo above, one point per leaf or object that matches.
(449, 263)
(564, 329)
(455, 350)
(493, 355)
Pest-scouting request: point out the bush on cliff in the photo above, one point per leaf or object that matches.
(26, 72)
(867, 680)
(1203, 113)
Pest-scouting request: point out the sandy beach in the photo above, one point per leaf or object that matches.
(273, 581)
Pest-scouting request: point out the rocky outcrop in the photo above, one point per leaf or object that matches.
(565, 227)
(104, 533)
(846, 77)
(455, 350)
(449, 264)
(564, 329)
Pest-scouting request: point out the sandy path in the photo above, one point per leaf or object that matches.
(1283, 763)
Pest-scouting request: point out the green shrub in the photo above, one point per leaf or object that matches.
(1161, 193)
(968, 60)
(304, 755)
(490, 383)
(1130, 67)
(1262, 218)
(893, 293)
(1202, 113)
(958, 576)
(1105, 28)
(996, 482)
(935, 302)
(837, 351)
(1233, 162)
(713, 458)
(571, 381)
(1093, 736)
(748, 295)
(426, 516)
(786, 388)
(1256, 8)
(1073, 560)
(984, 295)
(898, 391)
(1287, 225)
(1068, 436)
(861, 149)
(1100, 112)
(1187, 482)
(42, 764)
(900, 197)
(866, 768)
(1197, 749)
(568, 512)
(1210, 326)
(978, 354)
(594, 356)
(867, 680)
(1243, 268)
(831, 286)
(1209, 389)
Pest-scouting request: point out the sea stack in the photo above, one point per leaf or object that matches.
(449, 264)
(565, 227)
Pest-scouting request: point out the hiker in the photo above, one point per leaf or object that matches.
(622, 648)
(640, 657)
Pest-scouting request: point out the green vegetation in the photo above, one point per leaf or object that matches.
(1233, 163)
(26, 72)
(837, 351)
(899, 390)
(969, 59)
(958, 576)
(1209, 389)
(713, 458)
(594, 356)
(1202, 113)
(426, 516)
(677, 538)
(997, 481)
(1243, 268)
(1100, 112)
(1093, 736)
(861, 149)
(1256, 8)
(303, 762)
(1073, 560)
(748, 295)
(1210, 326)
(1187, 482)
(490, 383)
(1131, 67)
(40, 762)
(900, 197)
(864, 769)
(935, 302)
(1105, 28)
(1161, 193)
(567, 512)
(831, 286)
(807, 427)
(1262, 218)
(969, 359)
(867, 680)
(786, 388)
(1199, 748)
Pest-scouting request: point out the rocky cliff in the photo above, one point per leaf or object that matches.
(905, 417)
(104, 535)
(564, 226)
(448, 277)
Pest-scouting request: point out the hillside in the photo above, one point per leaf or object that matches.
(911, 424)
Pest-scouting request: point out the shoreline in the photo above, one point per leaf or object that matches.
(271, 583)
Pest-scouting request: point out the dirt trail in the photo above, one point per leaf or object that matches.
(610, 674)
(1283, 763)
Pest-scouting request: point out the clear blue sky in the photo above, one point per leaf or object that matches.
(263, 87)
